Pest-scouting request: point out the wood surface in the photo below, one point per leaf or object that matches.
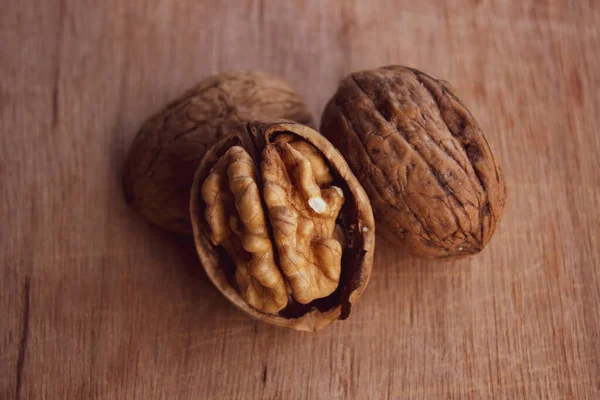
(96, 303)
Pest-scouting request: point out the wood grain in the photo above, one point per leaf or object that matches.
(96, 303)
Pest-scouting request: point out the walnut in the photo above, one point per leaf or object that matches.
(282, 227)
(235, 216)
(303, 211)
(170, 145)
(433, 182)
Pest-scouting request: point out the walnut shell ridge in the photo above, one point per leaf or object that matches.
(169, 146)
(434, 184)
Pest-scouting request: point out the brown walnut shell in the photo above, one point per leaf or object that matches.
(169, 146)
(282, 226)
(433, 182)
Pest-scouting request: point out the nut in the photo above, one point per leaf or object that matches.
(433, 182)
(282, 227)
(169, 146)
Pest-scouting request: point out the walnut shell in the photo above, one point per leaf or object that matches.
(169, 146)
(283, 228)
(433, 182)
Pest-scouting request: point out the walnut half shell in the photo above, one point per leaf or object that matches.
(433, 182)
(282, 227)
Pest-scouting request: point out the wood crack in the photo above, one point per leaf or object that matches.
(24, 338)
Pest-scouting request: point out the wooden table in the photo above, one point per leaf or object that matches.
(96, 303)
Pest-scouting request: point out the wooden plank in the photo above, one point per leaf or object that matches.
(95, 303)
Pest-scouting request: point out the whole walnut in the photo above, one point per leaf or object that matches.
(282, 226)
(169, 146)
(433, 182)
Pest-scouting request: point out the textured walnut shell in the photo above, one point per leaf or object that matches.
(356, 218)
(433, 182)
(169, 146)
